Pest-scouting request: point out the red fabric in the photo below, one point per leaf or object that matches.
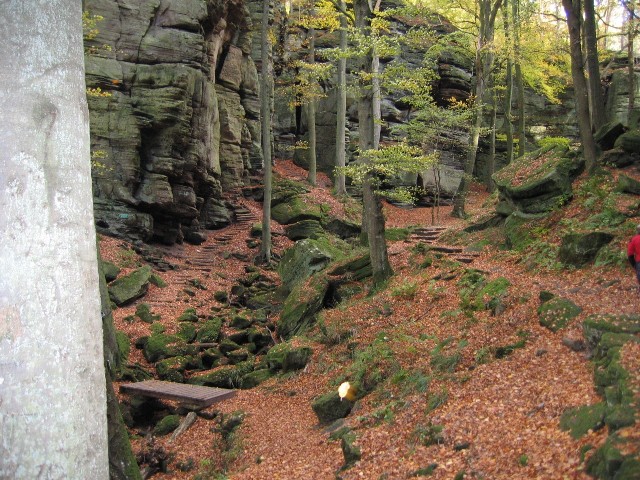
(634, 248)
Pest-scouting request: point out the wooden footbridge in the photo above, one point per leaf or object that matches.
(195, 395)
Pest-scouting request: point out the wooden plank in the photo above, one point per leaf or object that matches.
(192, 394)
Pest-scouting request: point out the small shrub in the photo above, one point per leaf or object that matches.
(406, 291)
(428, 434)
(436, 400)
(552, 142)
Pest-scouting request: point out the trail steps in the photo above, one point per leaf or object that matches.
(430, 236)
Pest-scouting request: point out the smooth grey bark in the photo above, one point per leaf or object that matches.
(372, 216)
(53, 414)
(508, 94)
(519, 80)
(491, 164)
(311, 116)
(265, 114)
(598, 116)
(573, 12)
(341, 109)
(631, 35)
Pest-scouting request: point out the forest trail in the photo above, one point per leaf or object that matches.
(500, 418)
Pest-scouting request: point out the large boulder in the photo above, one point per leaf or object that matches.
(304, 229)
(629, 141)
(301, 306)
(557, 312)
(130, 287)
(578, 249)
(538, 182)
(329, 407)
(607, 134)
(304, 259)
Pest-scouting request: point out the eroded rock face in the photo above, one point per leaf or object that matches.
(175, 122)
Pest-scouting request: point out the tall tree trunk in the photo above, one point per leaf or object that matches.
(374, 5)
(508, 95)
(631, 58)
(341, 113)
(519, 80)
(483, 65)
(598, 115)
(265, 113)
(372, 216)
(491, 165)
(53, 414)
(573, 11)
(311, 115)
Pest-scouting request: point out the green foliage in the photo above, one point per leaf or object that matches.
(411, 381)
(552, 142)
(428, 434)
(405, 291)
(371, 366)
(436, 400)
(523, 460)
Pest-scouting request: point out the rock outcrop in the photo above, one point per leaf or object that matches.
(173, 99)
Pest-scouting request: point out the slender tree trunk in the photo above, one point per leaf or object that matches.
(341, 113)
(311, 115)
(519, 80)
(53, 406)
(483, 63)
(572, 10)
(593, 67)
(631, 58)
(508, 95)
(375, 85)
(372, 217)
(265, 112)
(491, 165)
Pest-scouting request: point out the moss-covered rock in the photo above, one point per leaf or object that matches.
(238, 355)
(210, 357)
(189, 315)
(228, 376)
(517, 229)
(355, 268)
(627, 184)
(329, 407)
(167, 425)
(610, 463)
(295, 209)
(304, 229)
(187, 331)
(255, 378)
(607, 134)
(144, 313)
(350, 451)
(209, 331)
(629, 141)
(301, 306)
(227, 345)
(129, 287)
(124, 346)
(110, 271)
(342, 228)
(240, 322)
(285, 357)
(578, 249)
(556, 313)
(160, 345)
(172, 368)
(594, 326)
(539, 181)
(580, 420)
(305, 258)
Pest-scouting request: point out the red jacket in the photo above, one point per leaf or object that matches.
(634, 248)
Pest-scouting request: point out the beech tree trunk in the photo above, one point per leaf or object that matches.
(519, 80)
(483, 65)
(53, 415)
(341, 111)
(311, 116)
(265, 114)
(598, 116)
(573, 11)
(631, 58)
(508, 95)
(372, 216)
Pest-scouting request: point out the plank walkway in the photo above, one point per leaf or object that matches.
(191, 394)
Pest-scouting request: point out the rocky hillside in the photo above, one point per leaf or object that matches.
(496, 351)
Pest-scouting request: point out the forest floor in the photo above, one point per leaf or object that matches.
(499, 417)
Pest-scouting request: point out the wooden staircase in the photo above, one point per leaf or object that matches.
(430, 236)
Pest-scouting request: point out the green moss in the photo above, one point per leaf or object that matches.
(189, 315)
(167, 425)
(255, 378)
(580, 420)
(170, 366)
(143, 312)
(329, 407)
(396, 234)
(228, 376)
(161, 346)
(556, 313)
(187, 331)
(209, 331)
(124, 346)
